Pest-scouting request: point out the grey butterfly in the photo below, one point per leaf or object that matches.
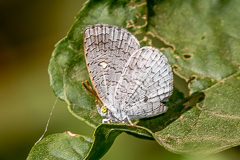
(130, 82)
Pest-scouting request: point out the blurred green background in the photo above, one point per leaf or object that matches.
(28, 32)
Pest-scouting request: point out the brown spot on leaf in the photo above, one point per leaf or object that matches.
(212, 80)
(176, 56)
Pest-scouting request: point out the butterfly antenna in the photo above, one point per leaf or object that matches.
(90, 87)
(91, 90)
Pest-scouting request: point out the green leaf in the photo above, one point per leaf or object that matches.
(212, 126)
(105, 135)
(204, 36)
(67, 70)
(201, 40)
(61, 146)
(205, 42)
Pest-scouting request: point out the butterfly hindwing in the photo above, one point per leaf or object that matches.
(145, 83)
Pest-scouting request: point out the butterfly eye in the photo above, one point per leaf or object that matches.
(104, 109)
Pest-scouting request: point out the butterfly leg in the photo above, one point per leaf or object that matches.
(129, 121)
(109, 116)
(122, 121)
(116, 118)
(105, 120)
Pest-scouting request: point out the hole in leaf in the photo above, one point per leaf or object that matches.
(141, 21)
(141, 14)
(181, 85)
(192, 78)
(175, 67)
(201, 98)
(197, 97)
(187, 55)
(158, 43)
(144, 40)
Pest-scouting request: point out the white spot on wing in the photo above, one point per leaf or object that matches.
(103, 65)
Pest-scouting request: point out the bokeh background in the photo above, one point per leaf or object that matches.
(28, 32)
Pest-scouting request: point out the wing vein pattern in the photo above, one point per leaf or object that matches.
(145, 83)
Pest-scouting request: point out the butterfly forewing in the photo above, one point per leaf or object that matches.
(107, 50)
(145, 83)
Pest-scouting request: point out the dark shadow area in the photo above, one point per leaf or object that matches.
(139, 136)
(177, 106)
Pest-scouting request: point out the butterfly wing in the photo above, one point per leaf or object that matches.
(107, 50)
(146, 82)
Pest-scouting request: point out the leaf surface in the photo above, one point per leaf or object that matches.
(61, 146)
(200, 40)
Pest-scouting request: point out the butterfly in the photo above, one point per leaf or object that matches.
(129, 82)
